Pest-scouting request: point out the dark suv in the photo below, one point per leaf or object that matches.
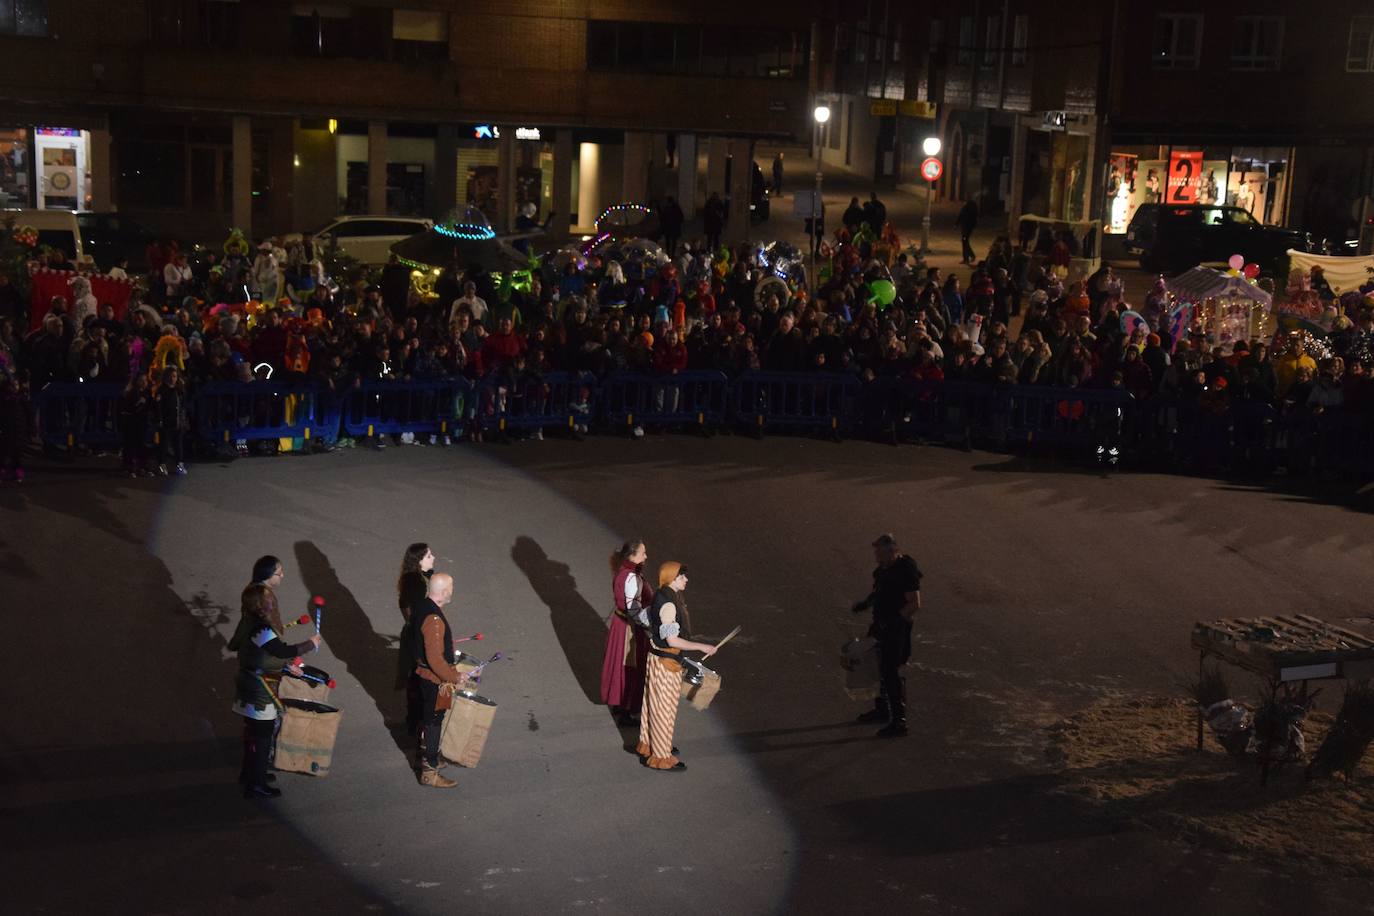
(1175, 237)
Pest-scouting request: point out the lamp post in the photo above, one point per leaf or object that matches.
(821, 115)
(931, 147)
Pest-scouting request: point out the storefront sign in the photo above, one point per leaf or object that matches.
(486, 132)
(882, 108)
(916, 109)
(1054, 120)
(527, 133)
(1185, 171)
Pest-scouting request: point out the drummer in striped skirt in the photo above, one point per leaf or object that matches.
(663, 681)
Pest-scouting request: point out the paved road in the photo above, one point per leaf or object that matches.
(1046, 591)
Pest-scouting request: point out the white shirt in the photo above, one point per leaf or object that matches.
(477, 305)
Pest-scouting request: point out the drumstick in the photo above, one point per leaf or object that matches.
(728, 636)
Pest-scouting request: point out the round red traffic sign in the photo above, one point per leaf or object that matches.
(932, 169)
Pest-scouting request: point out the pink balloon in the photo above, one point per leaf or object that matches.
(1237, 261)
(1252, 271)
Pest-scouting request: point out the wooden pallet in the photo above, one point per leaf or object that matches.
(1301, 648)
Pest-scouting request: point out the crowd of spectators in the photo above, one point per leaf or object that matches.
(278, 315)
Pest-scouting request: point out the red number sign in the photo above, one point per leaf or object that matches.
(932, 169)
(1185, 172)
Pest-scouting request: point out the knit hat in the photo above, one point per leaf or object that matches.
(1152, 339)
(670, 571)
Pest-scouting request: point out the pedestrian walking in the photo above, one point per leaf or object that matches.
(777, 175)
(894, 600)
(713, 221)
(670, 219)
(967, 221)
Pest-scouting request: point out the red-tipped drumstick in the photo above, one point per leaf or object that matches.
(476, 636)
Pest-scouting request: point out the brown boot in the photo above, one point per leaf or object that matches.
(430, 776)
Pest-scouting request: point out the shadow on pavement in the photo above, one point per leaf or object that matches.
(368, 655)
(581, 631)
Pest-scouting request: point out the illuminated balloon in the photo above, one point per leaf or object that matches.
(1252, 271)
(1233, 272)
(1237, 261)
(882, 292)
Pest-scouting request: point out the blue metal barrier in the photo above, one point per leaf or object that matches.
(1075, 418)
(229, 411)
(797, 399)
(435, 406)
(557, 399)
(699, 397)
(79, 413)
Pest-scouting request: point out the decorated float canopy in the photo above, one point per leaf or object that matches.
(1342, 274)
(1203, 283)
(467, 240)
(1225, 307)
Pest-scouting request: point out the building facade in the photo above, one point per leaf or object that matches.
(1084, 114)
(275, 116)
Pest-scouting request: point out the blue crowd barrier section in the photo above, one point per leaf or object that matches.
(80, 413)
(226, 412)
(797, 400)
(558, 399)
(435, 406)
(1070, 418)
(697, 397)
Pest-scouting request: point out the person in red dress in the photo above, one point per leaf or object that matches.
(622, 669)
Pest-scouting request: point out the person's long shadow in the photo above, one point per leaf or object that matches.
(581, 631)
(368, 655)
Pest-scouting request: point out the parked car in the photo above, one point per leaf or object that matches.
(110, 236)
(56, 229)
(369, 238)
(1175, 237)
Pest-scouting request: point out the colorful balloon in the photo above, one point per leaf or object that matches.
(1252, 271)
(1237, 261)
(882, 292)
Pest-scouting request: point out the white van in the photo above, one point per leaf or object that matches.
(56, 229)
(369, 238)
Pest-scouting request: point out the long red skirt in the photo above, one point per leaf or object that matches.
(622, 669)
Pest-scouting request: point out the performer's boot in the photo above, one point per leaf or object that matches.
(878, 713)
(430, 776)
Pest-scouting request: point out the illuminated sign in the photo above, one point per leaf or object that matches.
(487, 132)
(527, 133)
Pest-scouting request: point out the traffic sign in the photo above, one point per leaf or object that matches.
(932, 169)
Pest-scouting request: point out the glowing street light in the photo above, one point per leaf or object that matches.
(931, 146)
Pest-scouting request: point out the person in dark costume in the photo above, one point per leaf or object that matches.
(895, 599)
(416, 567)
(262, 656)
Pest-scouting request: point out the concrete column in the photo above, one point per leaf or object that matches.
(737, 228)
(687, 174)
(1016, 198)
(99, 165)
(505, 170)
(445, 171)
(315, 197)
(717, 150)
(589, 185)
(638, 155)
(658, 166)
(376, 167)
(563, 153)
(242, 180)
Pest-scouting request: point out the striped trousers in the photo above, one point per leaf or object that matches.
(662, 691)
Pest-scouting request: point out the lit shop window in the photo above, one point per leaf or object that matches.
(1359, 55)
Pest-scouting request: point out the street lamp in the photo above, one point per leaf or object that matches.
(821, 115)
(931, 147)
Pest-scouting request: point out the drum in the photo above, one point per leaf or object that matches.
(859, 659)
(305, 743)
(465, 728)
(313, 687)
(699, 683)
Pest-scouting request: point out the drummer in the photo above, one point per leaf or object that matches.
(663, 682)
(432, 645)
